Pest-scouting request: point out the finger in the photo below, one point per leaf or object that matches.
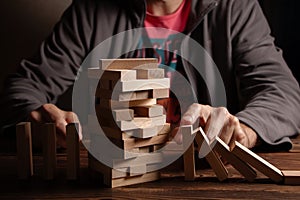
(217, 120)
(228, 129)
(196, 112)
(239, 136)
(71, 117)
(36, 116)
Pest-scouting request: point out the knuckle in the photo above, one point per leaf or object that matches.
(234, 121)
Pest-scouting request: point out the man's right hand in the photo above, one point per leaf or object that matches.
(49, 113)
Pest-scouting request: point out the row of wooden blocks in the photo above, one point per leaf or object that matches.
(48, 132)
(240, 157)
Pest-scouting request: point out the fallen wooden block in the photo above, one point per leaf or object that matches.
(257, 162)
(223, 149)
(156, 73)
(112, 74)
(49, 150)
(188, 156)
(149, 111)
(129, 63)
(24, 150)
(73, 154)
(291, 177)
(141, 84)
(212, 158)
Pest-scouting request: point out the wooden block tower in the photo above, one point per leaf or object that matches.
(125, 106)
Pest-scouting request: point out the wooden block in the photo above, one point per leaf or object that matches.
(291, 177)
(123, 114)
(132, 143)
(160, 93)
(150, 73)
(257, 162)
(188, 156)
(24, 150)
(49, 150)
(148, 177)
(149, 111)
(117, 133)
(137, 170)
(129, 63)
(212, 158)
(149, 158)
(73, 151)
(143, 132)
(141, 84)
(112, 74)
(223, 149)
(111, 104)
(142, 123)
(164, 129)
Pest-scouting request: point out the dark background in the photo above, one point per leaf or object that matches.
(25, 23)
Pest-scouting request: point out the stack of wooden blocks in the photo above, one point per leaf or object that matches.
(125, 93)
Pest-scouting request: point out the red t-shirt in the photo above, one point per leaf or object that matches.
(167, 39)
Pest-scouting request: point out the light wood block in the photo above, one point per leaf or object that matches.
(137, 170)
(150, 73)
(129, 63)
(141, 84)
(112, 74)
(123, 114)
(291, 177)
(164, 130)
(143, 132)
(49, 150)
(149, 111)
(160, 93)
(73, 151)
(111, 104)
(148, 177)
(24, 150)
(257, 162)
(142, 123)
(122, 96)
(132, 143)
(212, 158)
(223, 149)
(188, 156)
(150, 158)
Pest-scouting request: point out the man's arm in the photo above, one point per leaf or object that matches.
(41, 79)
(268, 93)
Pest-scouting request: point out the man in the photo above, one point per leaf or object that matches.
(262, 95)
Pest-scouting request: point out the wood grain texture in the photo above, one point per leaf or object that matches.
(141, 84)
(24, 150)
(189, 155)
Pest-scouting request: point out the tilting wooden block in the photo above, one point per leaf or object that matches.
(189, 155)
(134, 63)
(212, 158)
(149, 111)
(24, 150)
(49, 150)
(150, 73)
(141, 84)
(257, 162)
(291, 177)
(112, 74)
(223, 149)
(73, 154)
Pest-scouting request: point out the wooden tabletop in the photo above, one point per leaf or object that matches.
(171, 186)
